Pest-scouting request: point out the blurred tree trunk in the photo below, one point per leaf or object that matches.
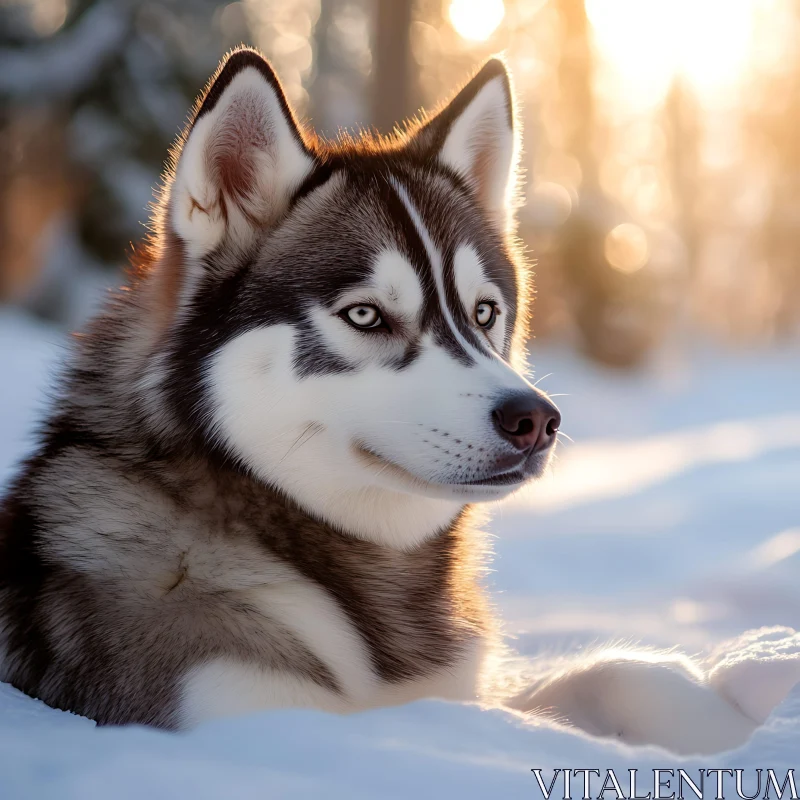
(615, 312)
(781, 231)
(575, 74)
(36, 188)
(585, 270)
(393, 88)
(324, 66)
(681, 117)
(340, 87)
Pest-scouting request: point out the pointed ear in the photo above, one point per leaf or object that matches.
(474, 135)
(243, 156)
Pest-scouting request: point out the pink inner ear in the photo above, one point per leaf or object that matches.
(233, 147)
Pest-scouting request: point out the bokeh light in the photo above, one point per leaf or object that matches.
(626, 247)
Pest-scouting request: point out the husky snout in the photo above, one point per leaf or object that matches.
(528, 420)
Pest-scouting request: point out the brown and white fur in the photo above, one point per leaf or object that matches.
(247, 495)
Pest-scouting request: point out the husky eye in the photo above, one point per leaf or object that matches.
(486, 314)
(363, 317)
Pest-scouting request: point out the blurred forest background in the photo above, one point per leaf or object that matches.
(662, 153)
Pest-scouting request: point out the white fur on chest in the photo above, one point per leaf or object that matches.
(227, 686)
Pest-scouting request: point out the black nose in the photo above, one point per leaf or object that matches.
(528, 420)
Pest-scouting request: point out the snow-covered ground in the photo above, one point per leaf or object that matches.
(673, 519)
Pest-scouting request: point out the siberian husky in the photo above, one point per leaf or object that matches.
(256, 487)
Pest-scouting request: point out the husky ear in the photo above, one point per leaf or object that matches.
(242, 157)
(474, 134)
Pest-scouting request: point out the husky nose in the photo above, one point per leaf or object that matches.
(529, 421)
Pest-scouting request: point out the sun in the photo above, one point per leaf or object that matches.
(476, 19)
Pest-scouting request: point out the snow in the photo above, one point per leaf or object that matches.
(672, 520)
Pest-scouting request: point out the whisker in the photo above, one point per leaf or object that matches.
(542, 378)
(565, 435)
(297, 444)
(383, 469)
(305, 441)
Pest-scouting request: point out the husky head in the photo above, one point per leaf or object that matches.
(343, 317)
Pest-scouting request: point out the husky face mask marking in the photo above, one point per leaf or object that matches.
(364, 306)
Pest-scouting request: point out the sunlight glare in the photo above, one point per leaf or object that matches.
(647, 43)
(779, 548)
(598, 470)
(476, 19)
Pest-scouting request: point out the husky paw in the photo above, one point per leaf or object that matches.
(667, 700)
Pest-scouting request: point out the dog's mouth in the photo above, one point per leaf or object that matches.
(368, 456)
(510, 478)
